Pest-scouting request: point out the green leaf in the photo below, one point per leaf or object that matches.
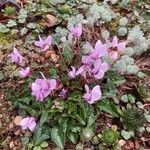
(91, 118)
(44, 144)
(25, 140)
(124, 98)
(143, 90)
(24, 100)
(39, 137)
(75, 129)
(68, 54)
(53, 73)
(37, 148)
(30, 145)
(147, 117)
(43, 118)
(80, 117)
(108, 107)
(57, 137)
(64, 125)
(110, 89)
(71, 106)
(28, 109)
(131, 98)
(1, 75)
(76, 97)
(73, 137)
(115, 78)
(126, 135)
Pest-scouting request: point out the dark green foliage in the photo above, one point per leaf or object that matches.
(133, 118)
(67, 54)
(109, 107)
(109, 136)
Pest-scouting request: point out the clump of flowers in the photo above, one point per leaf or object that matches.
(116, 48)
(91, 96)
(76, 31)
(92, 64)
(24, 72)
(16, 57)
(91, 69)
(28, 122)
(44, 44)
(41, 88)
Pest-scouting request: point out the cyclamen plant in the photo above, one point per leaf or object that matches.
(92, 68)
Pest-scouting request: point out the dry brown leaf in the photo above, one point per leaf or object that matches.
(17, 120)
(50, 21)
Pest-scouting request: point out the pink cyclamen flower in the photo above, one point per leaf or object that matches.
(63, 93)
(120, 46)
(109, 125)
(87, 60)
(44, 44)
(115, 48)
(83, 70)
(99, 69)
(72, 73)
(99, 51)
(28, 122)
(91, 96)
(76, 31)
(24, 72)
(16, 57)
(41, 88)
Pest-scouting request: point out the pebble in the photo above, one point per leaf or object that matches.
(1, 116)
(11, 144)
(17, 132)
(137, 145)
(11, 126)
(17, 120)
(121, 142)
(131, 144)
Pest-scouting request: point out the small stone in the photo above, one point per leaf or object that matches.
(17, 132)
(54, 58)
(126, 147)
(11, 126)
(57, 65)
(1, 116)
(137, 145)
(121, 142)
(11, 144)
(51, 21)
(48, 54)
(17, 120)
(131, 144)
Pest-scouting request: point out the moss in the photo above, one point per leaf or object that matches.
(5, 40)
